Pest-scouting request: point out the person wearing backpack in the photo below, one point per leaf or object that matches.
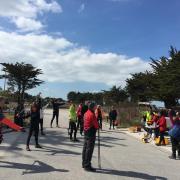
(175, 136)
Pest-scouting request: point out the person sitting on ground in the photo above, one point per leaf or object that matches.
(98, 113)
(34, 125)
(175, 136)
(90, 128)
(112, 117)
(72, 120)
(162, 128)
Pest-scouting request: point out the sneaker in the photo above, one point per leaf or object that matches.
(158, 144)
(38, 146)
(43, 134)
(172, 157)
(57, 126)
(90, 169)
(27, 148)
(76, 140)
(51, 126)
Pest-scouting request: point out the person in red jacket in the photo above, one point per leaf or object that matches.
(90, 128)
(162, 127)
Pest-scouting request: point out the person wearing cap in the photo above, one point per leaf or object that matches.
(90, 128)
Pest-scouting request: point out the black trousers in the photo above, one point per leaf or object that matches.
(88, 148)
(162, 137)
(80, 124)
(73, 129)
(175, 146)
(55, 115)
(35, 129)
(100, 122)
(41, 124)
(112, 122)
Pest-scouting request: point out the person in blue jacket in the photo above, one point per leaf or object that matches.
(175, 136)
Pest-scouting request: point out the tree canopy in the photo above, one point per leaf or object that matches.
(21, 77)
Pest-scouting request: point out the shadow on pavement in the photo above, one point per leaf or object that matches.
(130, 174)
(54, 151)
(36, 167)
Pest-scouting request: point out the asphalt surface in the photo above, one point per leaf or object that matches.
(122, 157)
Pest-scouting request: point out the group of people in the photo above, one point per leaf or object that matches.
(157, 122)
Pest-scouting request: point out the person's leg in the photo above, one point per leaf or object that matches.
(89, 151)
(29, 137)
(113, 123)
(36, 137)
(41, 126)
(57, 119)
(71, 130)
(156, 132)
(161, 138)
(54, 114)
(84, 151)
(174, 145)
(75, 131)
(101, 123)
(110, 123)
(81, 126)
(78, 123)
(178, 148)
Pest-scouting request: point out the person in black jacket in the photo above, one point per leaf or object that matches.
(112, 117)
(19, 115)
(56, 106)
(34, 125)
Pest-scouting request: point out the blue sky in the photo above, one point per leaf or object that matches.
(87, 45)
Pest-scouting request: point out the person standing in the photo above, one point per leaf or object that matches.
(34, 125)
(79, 117)
(40, 109)
(72, 120)
(56, 106)
(175, 136)
(90, 128)
(162, 128)
(98, 113)
(19, 115)
(112, 117)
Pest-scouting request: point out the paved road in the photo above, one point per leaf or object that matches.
(123, 157)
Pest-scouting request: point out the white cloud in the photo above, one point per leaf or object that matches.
(81, 8)
(23, 11)
(27, 24)
(63, 61)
